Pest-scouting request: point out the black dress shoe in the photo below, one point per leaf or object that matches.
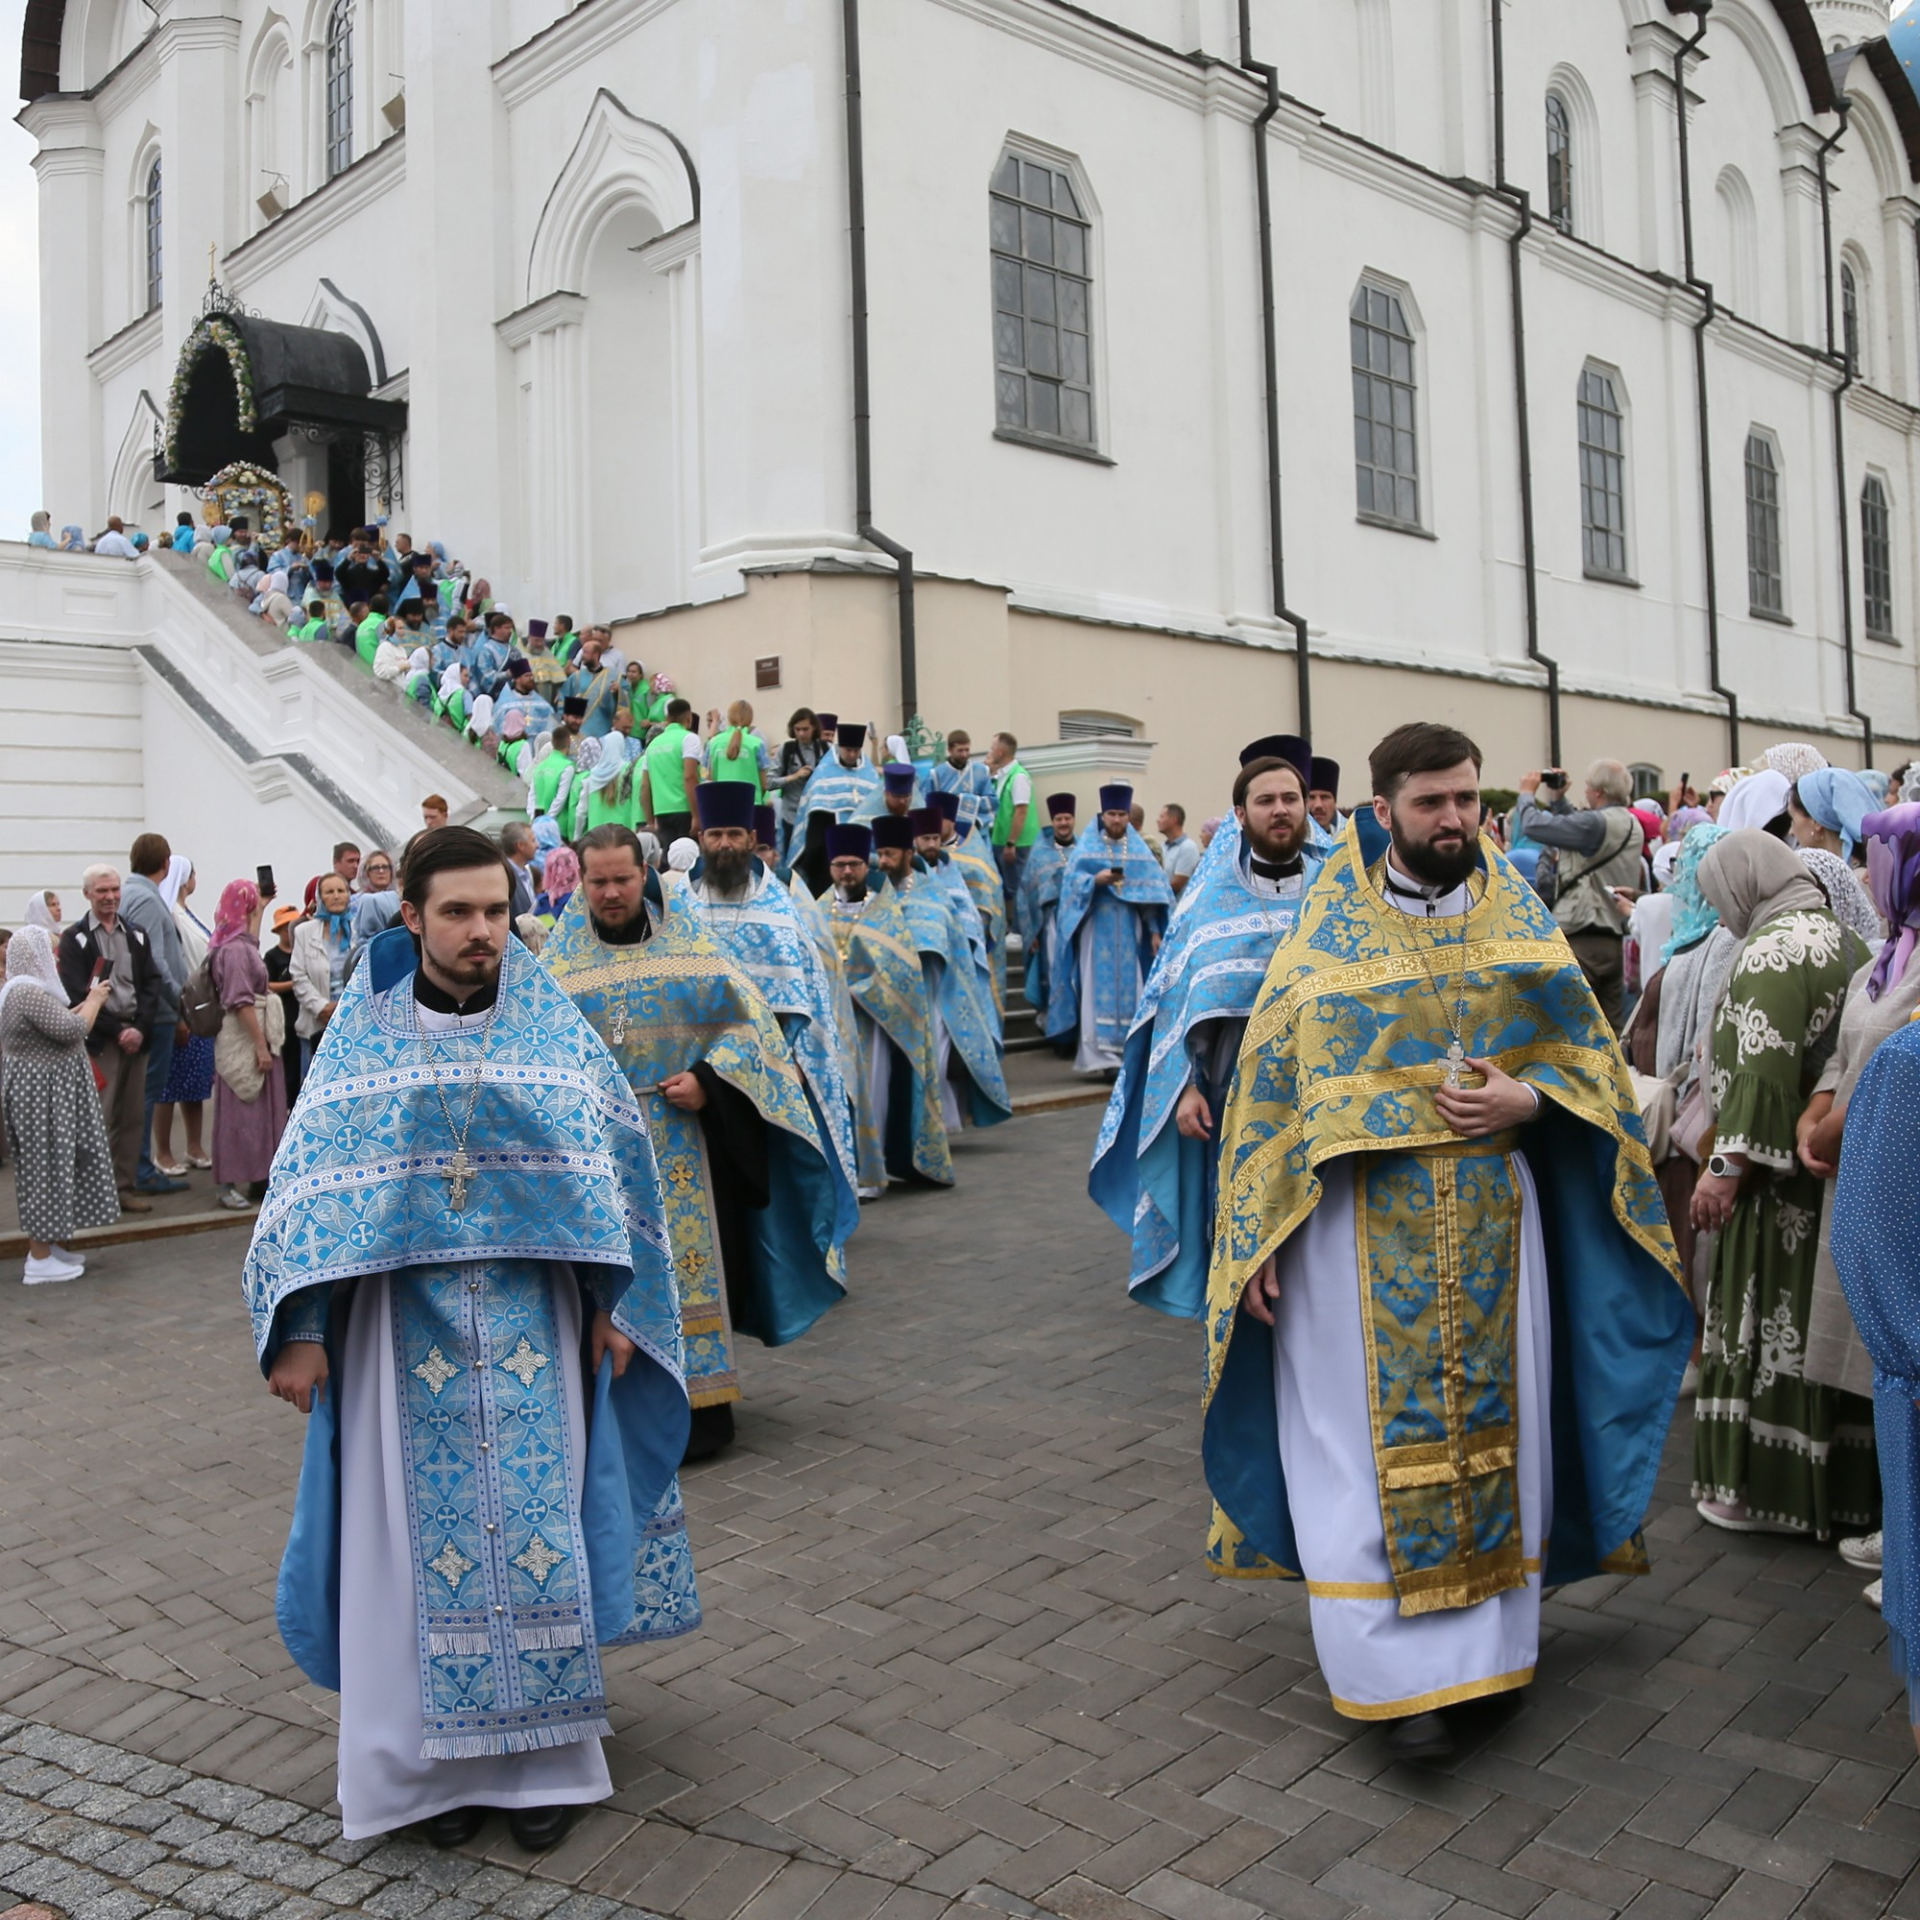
(712, 1429)
(1421, 1736)
(538, 1828)
(452, 1829)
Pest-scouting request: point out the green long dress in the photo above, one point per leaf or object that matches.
(1799, 1456)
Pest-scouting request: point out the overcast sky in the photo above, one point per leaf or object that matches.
(19, 307)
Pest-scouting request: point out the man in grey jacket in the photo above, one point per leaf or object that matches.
(143, 906)
(1599, 850)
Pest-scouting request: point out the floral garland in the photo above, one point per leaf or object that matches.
(210, 332)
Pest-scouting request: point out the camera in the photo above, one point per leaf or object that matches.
(1556, 778)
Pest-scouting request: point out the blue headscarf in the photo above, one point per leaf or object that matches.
(1839, 800)
(1694, 917)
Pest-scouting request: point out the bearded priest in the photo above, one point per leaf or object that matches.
(1445, 1324)
(752, 1185)
(1154, 1164)
(464, 1242)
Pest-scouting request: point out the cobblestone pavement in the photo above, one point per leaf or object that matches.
(959, 1653)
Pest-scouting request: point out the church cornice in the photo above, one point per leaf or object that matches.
(570, 42)
(127, 348)
(369, 179)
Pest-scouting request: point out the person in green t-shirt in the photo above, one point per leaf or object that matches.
(1016, 820)
(649, 703)
(737, 752)
(664, 795)
(554, 783)
(367, 627)
(314, 626)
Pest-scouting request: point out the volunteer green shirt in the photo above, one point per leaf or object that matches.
(666, 764)
(743, 765)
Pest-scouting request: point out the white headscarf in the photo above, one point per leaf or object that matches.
(30, 963)
(683, 855)
(1754, 801)
(39, 914)
(177, 870)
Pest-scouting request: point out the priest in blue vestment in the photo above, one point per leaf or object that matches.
(1445, 1324)
(754, 1192)
(1153, 1166)
(462, 1253)
(966, 1032)
(968, 780)
(1039, 898)
(972, 856)
(844, 784)
(899, 790)
(749, 914)
(1114, 901)
(897, 1095)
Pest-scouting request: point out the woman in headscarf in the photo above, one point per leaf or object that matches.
(62, 1169)
(41, 536)
(1884, 997)
(322, 946)
(1687, 971)
(558, 879)
(72, 540)
(1772, 1452)
(1852, 904)
(1827, 808)
(190, 1084)
(610, 789)
(43, 910)
(250, 1090)
(1759, 800)
(1793, 759)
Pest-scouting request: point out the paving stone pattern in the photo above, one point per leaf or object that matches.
(959, 1654)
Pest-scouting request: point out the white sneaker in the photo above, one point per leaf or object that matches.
(1871, 1595)
(235, 1200)
(69, 1256)
(41, 1273)
(1862, 1551)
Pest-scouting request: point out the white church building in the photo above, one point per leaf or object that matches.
(1548, 367)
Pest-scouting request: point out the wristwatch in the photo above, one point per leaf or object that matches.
(1722, 1168)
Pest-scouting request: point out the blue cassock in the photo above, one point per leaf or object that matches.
(765, 936)
(965, 999)
(1876, 1248)
(1038, 899)
(510, 1613)
(848, 793)
(1151, 1181)
(974, 784)
(1119, 920)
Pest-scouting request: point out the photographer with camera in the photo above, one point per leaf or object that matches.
(1597, 857)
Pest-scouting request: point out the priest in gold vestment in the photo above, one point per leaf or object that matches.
(1445, 1328)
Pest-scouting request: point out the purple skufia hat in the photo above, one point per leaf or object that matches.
(851, 735)
(893, 830)
(765, 825)
(899, 778)
(824, 724)
(946, 805)
(924, 821)
(725, 803)
(1116, 799)
(851, 842)
(1059, 803)
(1283, 746)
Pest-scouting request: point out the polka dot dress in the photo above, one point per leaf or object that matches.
(63, 1171)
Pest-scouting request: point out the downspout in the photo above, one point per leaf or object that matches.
(1269, 331)
(1836, 349)
(1702, 404)
(1522, 202)
(862, 393)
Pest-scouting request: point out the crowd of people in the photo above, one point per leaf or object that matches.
(1404, 1093)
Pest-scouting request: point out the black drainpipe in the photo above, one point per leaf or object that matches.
(1702, 405)
(1836, 349)
(862, 417)
(1523, 203)
(1276, 546)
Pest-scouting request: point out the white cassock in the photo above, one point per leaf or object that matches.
(383, 1781)
(1378, 1663)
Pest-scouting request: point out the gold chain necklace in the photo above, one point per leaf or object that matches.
(1457, 1021)
(461, 1171)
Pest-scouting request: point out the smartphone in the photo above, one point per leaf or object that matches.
(263, 878)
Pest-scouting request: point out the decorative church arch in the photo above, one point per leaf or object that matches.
(605, 371)
(133, 491)
(332, 311)
(617, 157)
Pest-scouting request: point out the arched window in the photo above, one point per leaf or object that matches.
(340, 87)
(1603, 476)
(1042, 303)
(1559, 164)
(1850, 318)
(1766, 583)
(1386, 447)
(153, 234)
(1876, 557)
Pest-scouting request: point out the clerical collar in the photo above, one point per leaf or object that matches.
(639, 928)
(436, 999)
(1429, 893)
(1274, 869)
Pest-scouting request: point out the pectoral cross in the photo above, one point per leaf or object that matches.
(459, 1173)
(619, 1033)
(1456, 1063)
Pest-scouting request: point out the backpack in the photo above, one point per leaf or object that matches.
(200, 1009)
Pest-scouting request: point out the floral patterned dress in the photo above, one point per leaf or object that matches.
(1799, 1456)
